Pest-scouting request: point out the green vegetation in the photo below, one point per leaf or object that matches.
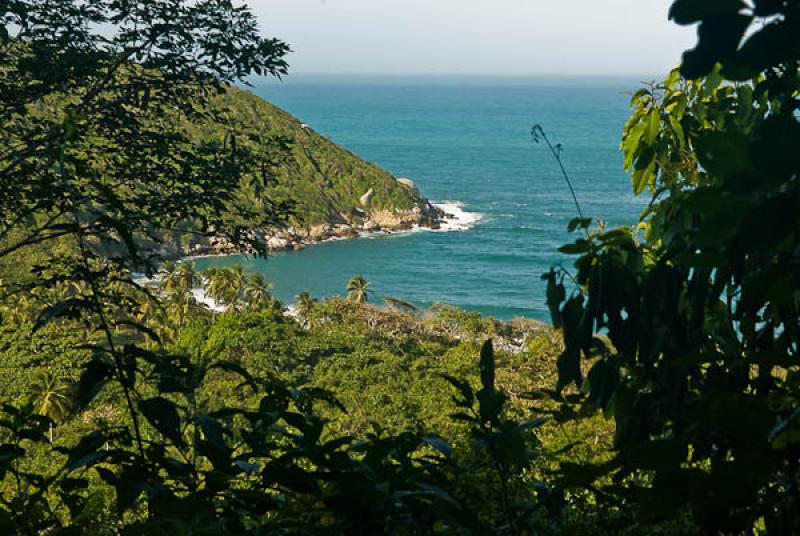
(394, 373)
(322, 181)
(688, 324)
(358, 289)
(663, 401)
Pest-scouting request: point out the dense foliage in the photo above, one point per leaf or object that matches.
(689, 324)
(129, 407)
(393, 372)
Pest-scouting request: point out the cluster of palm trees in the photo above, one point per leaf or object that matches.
(173, 301)
(358, 292)
(234, 290)
(175, 295)
(178, 286)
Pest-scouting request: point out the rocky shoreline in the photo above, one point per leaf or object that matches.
(377, 221)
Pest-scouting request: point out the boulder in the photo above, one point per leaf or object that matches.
(366, 199)
(408, 183)
(278, 243)
(319, 232)
(344, 231)
(393, 220)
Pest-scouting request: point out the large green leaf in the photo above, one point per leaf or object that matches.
(487, 366)
(163, 415)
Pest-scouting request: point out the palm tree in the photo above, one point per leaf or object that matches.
(237, 280)
(50, 397)
(150, 313)
(214, 284)
(226, 286)
(179, 279)
(177, 283)
(358, 290)
(305, 307)
(256, 292)
(168, 279)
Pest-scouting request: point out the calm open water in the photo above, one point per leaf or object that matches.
(462, 140)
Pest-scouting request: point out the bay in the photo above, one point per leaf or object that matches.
(465, 142)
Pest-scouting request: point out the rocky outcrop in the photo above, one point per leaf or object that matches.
(364, 219)
(291, 238)
(278, 243)
(334, 193)
(408, 183)
(366, 199)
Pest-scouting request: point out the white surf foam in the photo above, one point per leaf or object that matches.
(456, 217)
(210, 303)
(198, 293)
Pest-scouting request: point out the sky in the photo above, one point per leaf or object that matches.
(477, 37)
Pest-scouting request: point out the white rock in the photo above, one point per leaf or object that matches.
(366, 199)
(276, 242)
(408, 183)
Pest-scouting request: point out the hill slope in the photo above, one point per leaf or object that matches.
(333, 191)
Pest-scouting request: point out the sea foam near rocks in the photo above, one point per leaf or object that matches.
(456, 217)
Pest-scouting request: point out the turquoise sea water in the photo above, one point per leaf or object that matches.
(466, 140)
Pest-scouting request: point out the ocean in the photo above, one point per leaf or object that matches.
(467, 144)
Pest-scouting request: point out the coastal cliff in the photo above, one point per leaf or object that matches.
(333, 192)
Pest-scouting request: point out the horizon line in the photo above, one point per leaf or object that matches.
(407, 74)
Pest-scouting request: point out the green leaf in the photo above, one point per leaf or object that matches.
(577, 475)
(576, 223)
(643, 177)
(71, 308)
(95, 375)
(138, 326)
(88, 451)
(631, 142)
(530, 425)
(639, 95)
(569, 369)
(487, 366)
(556, 293)
(677, 130)
(236, 369)
(164, 417)
(653, 124)
(468, 398)
(439, 444)
(578, 247)
(490, 405)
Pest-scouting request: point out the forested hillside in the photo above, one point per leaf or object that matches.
(329, 190)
